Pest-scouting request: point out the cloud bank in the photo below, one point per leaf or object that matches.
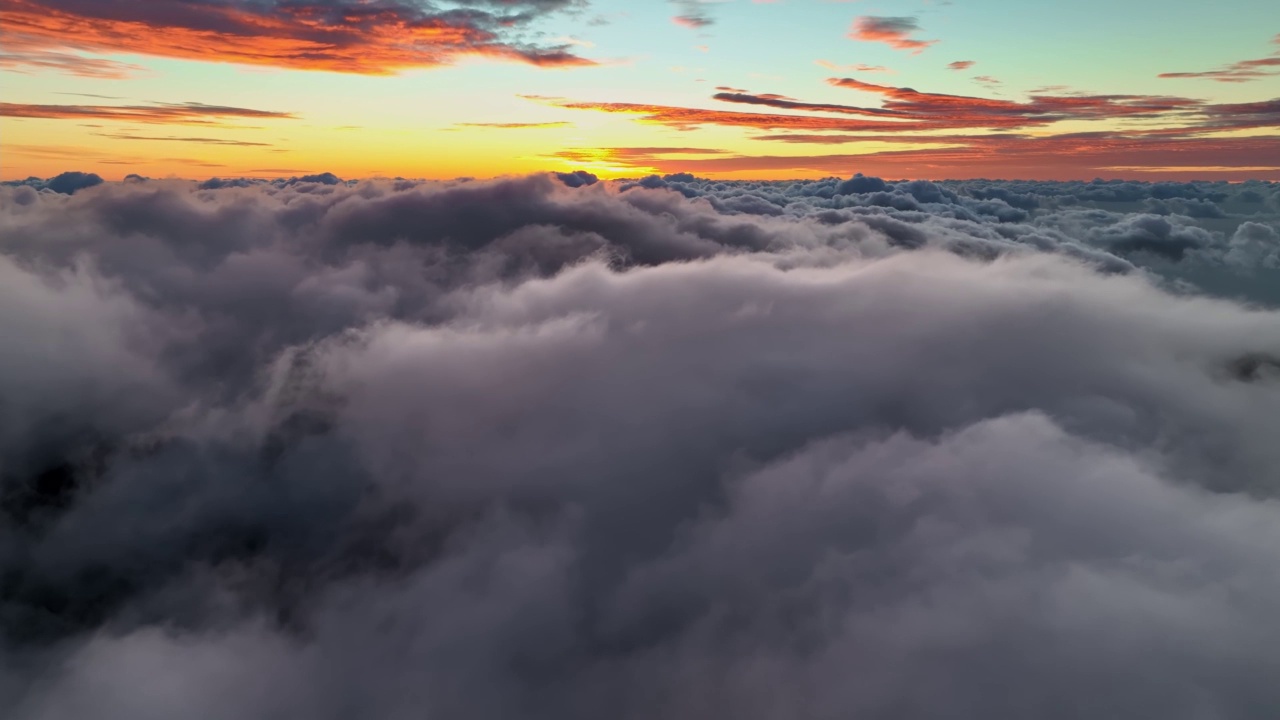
(551, 447)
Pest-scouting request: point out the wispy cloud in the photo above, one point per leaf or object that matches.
(1237, 72)
(69, 63)
(170, 138)
(190, 113)
(514, 125)
(855, 67)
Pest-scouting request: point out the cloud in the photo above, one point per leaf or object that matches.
(1237, 72)
(69, 63)
(692, 14)
(189, 113)
(1175, 136)
(332, 35)
(170, 138)
(514, 125)
(960, 65)
(552, 448)
(895, 32)
(778, 101)
(1039, 109)
(856, 67)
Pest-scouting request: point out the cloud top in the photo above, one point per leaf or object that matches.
(556, 447)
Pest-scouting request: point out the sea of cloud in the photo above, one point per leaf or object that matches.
(553, 447)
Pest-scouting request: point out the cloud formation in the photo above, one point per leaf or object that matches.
(550, 447)
(1170, 136)
(335, 35)
(896, 32)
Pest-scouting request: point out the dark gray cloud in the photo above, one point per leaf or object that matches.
(551, 448)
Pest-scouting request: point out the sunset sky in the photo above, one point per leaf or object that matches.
(1140, 89)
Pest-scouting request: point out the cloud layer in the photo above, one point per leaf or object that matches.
(550, 447)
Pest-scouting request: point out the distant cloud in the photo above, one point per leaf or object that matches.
(515, 125)
(895, 32)
(199, 140)
(1238, 72)
(190, 113)
(960, 65)
(334, 35)
(856, 67)
(68, 63)
(1166, 133)
(692, 14)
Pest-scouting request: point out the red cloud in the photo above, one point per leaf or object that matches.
(335, 35)
(1171, 138)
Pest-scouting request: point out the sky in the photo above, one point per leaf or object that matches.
(730, 89)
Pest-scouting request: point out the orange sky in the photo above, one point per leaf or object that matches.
(206, 88)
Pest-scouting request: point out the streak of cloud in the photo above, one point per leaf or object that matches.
(189, 113)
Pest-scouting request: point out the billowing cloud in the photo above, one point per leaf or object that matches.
(896, 32)
(335, 35)
(549, 447)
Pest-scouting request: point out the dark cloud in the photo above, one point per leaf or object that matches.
(577, 178)
(552, 448)
(692, 14)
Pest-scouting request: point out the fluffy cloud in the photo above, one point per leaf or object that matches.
(552, 447)
(895, 32)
